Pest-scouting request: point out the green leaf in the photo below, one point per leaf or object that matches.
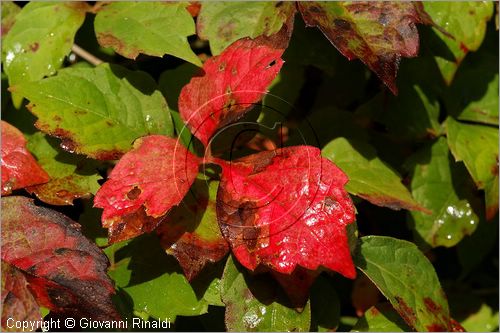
(381, 318)
(408, 280)
(412, 114)
(152, 28)
(170, 84)
(477, 147)
(39, 40)
(325, 306)
(471, 99)
(98, 111)
(466, 22)
(256, 303)
(369, 177)
(71, 176)
(153, 280)
(222, 23)
(483, 320)
(441, 185)
(9, 13)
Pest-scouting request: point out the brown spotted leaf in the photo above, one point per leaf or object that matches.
(17, 301)
(285, 209)
(377, 33)
(145, 184)
(191, 233)
(232, 83)
(65, 272)
(19, 168)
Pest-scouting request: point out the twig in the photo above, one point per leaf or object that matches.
(86, 55)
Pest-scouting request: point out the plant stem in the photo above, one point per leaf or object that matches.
(86, 55)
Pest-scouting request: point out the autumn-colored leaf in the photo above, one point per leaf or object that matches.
(145, 184)
(286, 208)
(71, 176)
(377, 33)
(19, 168)
(233, 82)
(17, 301)
(191, 233)
(66, 272)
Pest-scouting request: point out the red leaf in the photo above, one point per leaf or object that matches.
(145, 184)
(19, 167)
(233, 82)
(17, 301)
(286, 208)
(191, 233)
(378, 33)
(65, 271)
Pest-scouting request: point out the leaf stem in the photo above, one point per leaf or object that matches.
(86, 55)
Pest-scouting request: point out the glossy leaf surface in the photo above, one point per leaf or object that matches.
(286, 208)
(19, 167)
(145, 184)
(38, 41)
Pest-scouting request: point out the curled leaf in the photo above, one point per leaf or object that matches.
(286, 208)
(145, 184)
(19, 168)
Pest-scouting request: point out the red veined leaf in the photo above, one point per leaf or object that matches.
(232, 82)
(17, 301)
(378, 33)
(19, 167)
(65, 272)
(145, 184)
(286, 208)
(191, 233)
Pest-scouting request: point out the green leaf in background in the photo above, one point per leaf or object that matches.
(71, 176)
(325, 306)
(152, 28)
(441, 185)
(9, 13)
(170, 84)
(466, 22)
(369, 177)
(484, 320)
(191, 232)
(381, 318)
(90, 220)
(406, 277)
(98, 111)
(477, 147)
(153, 281)
(255, 303)
(40, 38)
(222, 23)
(412, 114)
(476, 102)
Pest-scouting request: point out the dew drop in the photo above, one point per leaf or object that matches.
(448, 237)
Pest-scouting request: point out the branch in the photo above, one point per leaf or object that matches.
(86, 55)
